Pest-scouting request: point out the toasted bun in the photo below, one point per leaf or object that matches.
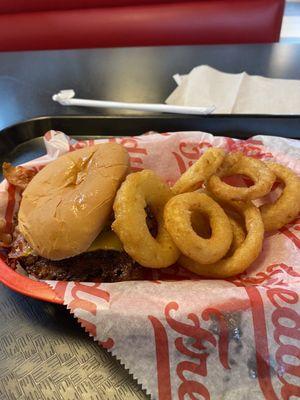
(67, 204)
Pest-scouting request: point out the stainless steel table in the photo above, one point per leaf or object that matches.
(45, 355)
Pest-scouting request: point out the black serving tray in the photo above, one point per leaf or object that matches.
(23, 141)
(51, 335)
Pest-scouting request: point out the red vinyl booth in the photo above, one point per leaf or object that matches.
(66, 24)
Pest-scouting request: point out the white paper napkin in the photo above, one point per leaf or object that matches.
(236, 93)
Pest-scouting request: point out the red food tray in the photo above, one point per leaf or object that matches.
(23, 142)
(25, 285)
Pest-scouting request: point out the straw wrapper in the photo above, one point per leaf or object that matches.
(188, 338)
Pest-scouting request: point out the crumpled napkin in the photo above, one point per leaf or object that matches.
(236, 93)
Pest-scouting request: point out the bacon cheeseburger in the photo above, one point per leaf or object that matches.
(63, 228)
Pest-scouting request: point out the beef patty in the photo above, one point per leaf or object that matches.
(101, 265)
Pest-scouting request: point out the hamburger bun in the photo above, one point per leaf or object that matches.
(67, 204)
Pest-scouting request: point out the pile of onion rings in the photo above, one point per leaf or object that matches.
(216, 231)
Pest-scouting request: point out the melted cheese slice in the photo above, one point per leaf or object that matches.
(106, 241)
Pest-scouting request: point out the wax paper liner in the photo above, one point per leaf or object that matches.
(185, 337)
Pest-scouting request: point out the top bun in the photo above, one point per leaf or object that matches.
(67, 204)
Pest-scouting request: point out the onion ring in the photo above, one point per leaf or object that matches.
(234, 211)
(201, 226)
(177, 217)
(287, 206)
(242, 257)
(200, 171)
(238, 235)
(139, 190)
(258, 171)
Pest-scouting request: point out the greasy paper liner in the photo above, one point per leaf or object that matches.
(181, 336)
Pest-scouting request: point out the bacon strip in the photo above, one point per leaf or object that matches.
(17, 176)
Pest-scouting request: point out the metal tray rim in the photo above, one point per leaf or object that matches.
(150, 116)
